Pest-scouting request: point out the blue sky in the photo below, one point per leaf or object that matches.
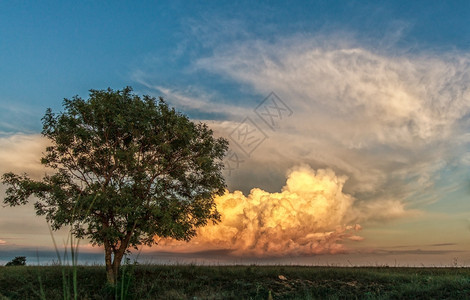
(51, 50)
(378, 93)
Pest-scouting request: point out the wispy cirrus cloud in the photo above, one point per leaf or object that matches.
(194, 100)
(16, 117)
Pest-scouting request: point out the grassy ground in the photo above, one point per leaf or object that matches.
(238, 282)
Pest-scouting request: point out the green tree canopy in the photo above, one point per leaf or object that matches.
(127, 169)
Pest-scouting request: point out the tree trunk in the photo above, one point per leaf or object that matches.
(117, 263)
(112, 266)
(113, 263)
(110, 276)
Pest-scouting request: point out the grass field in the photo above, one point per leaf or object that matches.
(237, 282)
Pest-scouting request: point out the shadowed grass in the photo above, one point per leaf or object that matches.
(64, 261)
(243, 282)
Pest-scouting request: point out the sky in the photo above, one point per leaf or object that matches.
(348, 121)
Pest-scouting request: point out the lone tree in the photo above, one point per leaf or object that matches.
(127, 169)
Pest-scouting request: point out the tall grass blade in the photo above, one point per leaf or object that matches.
(42, 294)
(65, 290)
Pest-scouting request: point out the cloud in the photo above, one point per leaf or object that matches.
(192, 99)
(391, 121)
(415, 251)
(21, 153)
(2, 242)
(443, 245)
(411, 93)
(418, 98)
(382, 210)
(306, 217)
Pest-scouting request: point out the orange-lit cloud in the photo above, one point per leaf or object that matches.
(306, 217)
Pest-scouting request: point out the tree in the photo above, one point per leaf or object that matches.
(127, 169)
(17, 261)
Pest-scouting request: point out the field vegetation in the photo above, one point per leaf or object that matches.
(234, 282)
